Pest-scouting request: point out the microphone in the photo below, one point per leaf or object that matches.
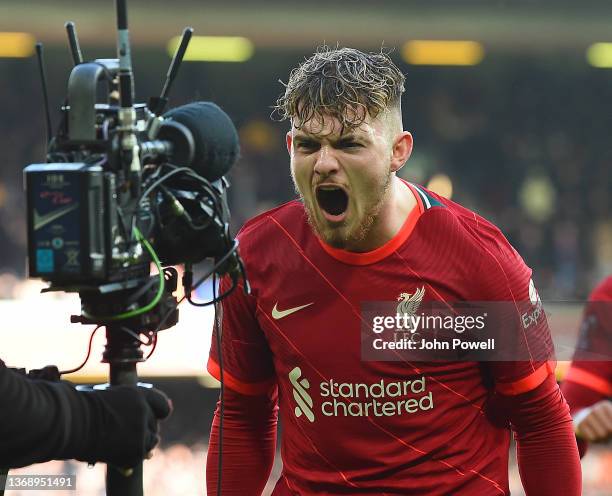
(174, 141)
(189, 214)
(213, 134)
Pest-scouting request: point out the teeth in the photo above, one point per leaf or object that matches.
(329, 188)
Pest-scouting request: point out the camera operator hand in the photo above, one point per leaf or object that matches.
(41, 421)
(127, 428)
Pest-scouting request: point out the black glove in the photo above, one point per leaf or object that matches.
(42, 421)
(48, 373)
(125, 425)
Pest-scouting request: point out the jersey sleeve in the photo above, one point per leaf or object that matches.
(591, 366)
(246, 358)
(524, 350)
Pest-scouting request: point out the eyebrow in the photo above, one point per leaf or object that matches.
(304, 136)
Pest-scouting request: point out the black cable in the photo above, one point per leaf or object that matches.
(212, 195)
(136, 336)
(247, 286)
(221, 396)
(212, 271)
(209, 194)
(163, 178)
(217, 299)
(72, 371)
(141, 291)
(175, 170)
(200, 281)
(169, 313)
(151, 217)
(152, 340)
(122, 225)
(185, 214)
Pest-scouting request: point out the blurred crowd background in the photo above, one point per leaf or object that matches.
(521, 134)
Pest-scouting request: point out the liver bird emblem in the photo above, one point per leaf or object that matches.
(409, 303)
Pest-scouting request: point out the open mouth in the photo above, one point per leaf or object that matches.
(332, 200)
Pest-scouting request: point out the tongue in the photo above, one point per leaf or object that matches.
(333, 201)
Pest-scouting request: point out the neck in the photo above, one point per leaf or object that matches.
(397, 205)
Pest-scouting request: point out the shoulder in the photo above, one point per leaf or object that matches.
(260, 235)
(603, 291)
(259, 227)
(453, 219)
(597, 317)
(478, 246)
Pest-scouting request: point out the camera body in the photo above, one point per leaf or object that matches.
(74, 235)
(116, 171)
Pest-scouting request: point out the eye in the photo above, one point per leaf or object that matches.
(349, 145)
(306, 145)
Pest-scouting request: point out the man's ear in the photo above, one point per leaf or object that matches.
(289, 139)
(402, 148)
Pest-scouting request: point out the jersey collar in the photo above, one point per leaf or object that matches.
(371, 257)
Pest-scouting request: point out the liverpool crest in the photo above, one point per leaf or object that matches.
(409, 303)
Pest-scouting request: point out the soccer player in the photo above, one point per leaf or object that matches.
(587, 385)
(359, 233)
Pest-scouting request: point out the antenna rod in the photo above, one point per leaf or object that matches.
(157, 104)
(176, 61)
(126, 84)
(73, 40)
(43, 79)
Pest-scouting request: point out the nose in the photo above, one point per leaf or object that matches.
(326, 162)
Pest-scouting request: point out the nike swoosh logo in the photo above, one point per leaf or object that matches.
(41, 221)
(279, 314)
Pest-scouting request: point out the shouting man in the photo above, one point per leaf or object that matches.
(359, 233)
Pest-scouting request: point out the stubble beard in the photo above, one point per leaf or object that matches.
(341, 236)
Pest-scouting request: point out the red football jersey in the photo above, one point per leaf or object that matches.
(352, 426)
(591, 367)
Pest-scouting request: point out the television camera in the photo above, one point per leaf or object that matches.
(125, 186)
